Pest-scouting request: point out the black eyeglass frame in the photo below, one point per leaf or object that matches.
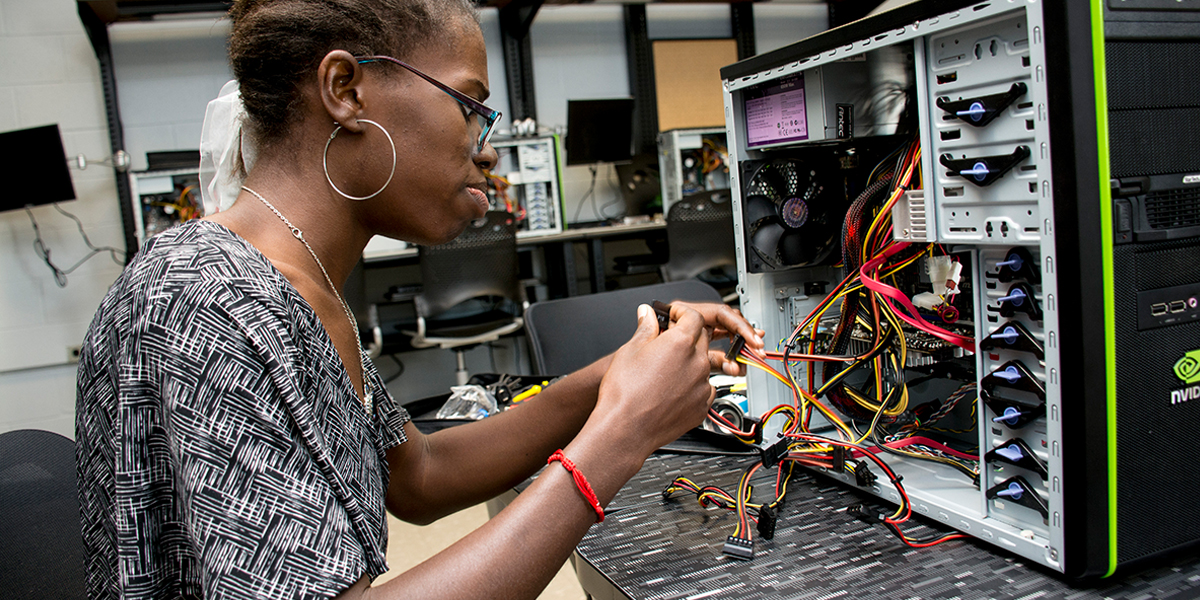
(489, 115)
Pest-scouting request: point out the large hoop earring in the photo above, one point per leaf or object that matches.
(325, 162)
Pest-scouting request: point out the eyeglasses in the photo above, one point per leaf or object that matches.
(484, 116)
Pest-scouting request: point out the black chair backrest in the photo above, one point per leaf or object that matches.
(41, 551)
(568, 334)
(480, 262)
(699, 235)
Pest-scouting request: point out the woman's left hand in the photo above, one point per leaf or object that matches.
(724, 322)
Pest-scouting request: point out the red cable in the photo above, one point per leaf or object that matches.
(918, 440)
(891, 294)
(581, 482)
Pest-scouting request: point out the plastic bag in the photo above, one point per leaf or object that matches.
(226, 151)
(468, 402)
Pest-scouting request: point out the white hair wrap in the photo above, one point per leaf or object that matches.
(226, 152)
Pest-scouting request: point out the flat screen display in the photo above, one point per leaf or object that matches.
(599, 131)
(775, 112)
(33, 167)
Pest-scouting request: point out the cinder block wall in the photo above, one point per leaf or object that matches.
(50, 75)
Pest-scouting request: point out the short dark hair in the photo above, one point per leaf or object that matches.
(276, 44)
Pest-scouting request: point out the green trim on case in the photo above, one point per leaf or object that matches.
(558, 166)
(1106, 241)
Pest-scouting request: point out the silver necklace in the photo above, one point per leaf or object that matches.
(368, 391)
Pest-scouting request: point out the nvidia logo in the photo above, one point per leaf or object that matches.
(1187, 369)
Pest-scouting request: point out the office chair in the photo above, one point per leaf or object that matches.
(699, 235)
(470, 289)
(42, 548)
(699, 243)
(570, 333)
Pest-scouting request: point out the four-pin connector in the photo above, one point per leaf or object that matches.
(739, 548)
(735, 347)
(766, 522)
(773, 454)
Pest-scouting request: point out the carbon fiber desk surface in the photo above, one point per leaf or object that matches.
(649, 548)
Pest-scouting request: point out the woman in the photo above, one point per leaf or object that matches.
(233, 439)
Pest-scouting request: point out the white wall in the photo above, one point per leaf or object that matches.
(778, 24)
(50, 75)
(166, 73)
(490, 23)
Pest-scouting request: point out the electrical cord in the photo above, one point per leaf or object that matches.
(619, 199)
(398, 373)
(590, 194)
(60, 275)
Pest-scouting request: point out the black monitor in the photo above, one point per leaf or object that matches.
(599, 131)
(33, 167)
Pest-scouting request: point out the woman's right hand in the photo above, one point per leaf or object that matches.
(657, 385)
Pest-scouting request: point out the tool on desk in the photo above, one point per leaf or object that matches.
(529, 392)
(521, 394)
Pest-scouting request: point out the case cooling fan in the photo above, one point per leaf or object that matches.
(793, 215)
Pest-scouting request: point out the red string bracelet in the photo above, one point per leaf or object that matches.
(581, 482)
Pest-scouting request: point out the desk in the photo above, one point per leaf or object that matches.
(651, 548)
(560, 256)
(559, 253)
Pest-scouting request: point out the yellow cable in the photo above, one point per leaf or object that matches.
(758, 366)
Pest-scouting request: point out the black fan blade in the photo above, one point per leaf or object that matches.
(772, 182)
(812, 189)
(755, 186)
(764, 238)
(802, 248)
(798, 179)
(819, 200)
(758, 207)
(795, 249)
(789, 177)
(811, 186)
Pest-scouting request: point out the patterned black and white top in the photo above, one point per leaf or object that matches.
(223, 452)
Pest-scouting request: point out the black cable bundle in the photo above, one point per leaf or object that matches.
(858, 218)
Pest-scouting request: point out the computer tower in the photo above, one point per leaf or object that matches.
(164, 198)
(525, 182)
(1058, 192)
(691, 161)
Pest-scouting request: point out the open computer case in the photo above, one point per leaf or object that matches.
(1053, 230)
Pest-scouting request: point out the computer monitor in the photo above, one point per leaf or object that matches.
(599, 131)
(33, 167)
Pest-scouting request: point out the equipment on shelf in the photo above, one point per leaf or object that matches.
(163, 199)
(525, 182)
(691, 161)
